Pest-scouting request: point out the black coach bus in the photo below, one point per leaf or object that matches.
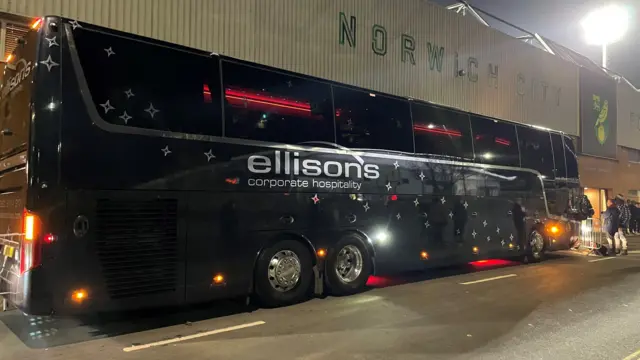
(137, 173)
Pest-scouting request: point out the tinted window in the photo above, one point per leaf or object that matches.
(270, 106)
(535, 147)
(570, 158)
(441, 131)
(139, 84)
(495, 142)
(558, 155)
(365, 120)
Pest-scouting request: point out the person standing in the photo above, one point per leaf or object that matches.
(611, 218)
(623, 223)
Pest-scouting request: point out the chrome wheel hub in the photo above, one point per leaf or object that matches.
(349, 264)
(537, 243)
(284, 270)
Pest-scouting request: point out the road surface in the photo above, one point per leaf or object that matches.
(568, 307)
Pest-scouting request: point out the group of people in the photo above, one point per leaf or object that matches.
(621, 217)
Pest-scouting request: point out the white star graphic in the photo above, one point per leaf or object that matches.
(474, 233)
(396, 165)
(52, 41)
(416, 202)
(49, 63)
(458, 231)
(488, 238)
(289, 83)
(426, 224)
(75, 24)
(466, 205)
(209, 155)
(511, 237)
(451, 214)
(109, 51)
(315, 199)
(166, 150)
(443, 200)
(366, 207)
(484, 223)
(497, 230)
(388, 186)
(129, 93)
(421, 176)
(502, 242)
(125, 117)
(107, 106)
(151, 110)
(398, 216)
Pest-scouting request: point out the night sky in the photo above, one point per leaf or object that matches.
(559, 20)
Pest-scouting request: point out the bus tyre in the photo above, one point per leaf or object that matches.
(283, 274)
(348, 266)
(535, 248)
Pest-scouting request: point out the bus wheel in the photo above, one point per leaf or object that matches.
(536, 247)
(348, 266)
(284, 273)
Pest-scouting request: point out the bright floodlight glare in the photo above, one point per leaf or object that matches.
(606, 25)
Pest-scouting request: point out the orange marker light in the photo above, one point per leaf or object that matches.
(9, 57)
(554, 229)
(218, 279)
(37, 24)
(424, 255)
(510, 246)
(79, 296)
(321, 253)
(475, 250)
(29, 227)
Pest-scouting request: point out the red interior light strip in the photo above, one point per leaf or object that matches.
(503, 142)
(261, 99)
(423, 128)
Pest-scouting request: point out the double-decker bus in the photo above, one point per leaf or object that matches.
(136, 173)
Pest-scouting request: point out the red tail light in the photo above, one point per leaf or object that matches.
(31, 247)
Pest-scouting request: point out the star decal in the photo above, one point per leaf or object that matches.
(511, 237)
(315, 199)
(398, 216)
(488, 238)
(416, 202)
(421, 176)
(466, 205)
(209, 155)
(396, 165)
(366, 206)
(474, 233)
(166, 150)
(289, 83)
(52, 41)
(49, 63)
(151, 110)
(75, 24)
(129, 93)
(451, 214)
(426, 224)
(497, 230)
(388, 186)
(109, 51)
(502, 242)
(443, 200)
(125, 117)
(107, 106)
(484, 223)
(457, 231)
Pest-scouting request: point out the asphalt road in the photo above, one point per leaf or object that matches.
(568, 307)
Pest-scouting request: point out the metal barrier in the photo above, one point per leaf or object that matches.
(592, 235)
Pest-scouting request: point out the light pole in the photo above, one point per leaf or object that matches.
(605, 26)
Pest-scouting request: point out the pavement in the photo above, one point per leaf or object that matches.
(567, 307)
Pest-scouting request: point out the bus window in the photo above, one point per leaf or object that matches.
(558, 156)
(571, 158)
(440, 131)
(494, 142)
(266, 105)
(138, 84)
(369, 121)
(535, 147)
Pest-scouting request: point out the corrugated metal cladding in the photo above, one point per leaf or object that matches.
(628, 116)
(503, 77)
